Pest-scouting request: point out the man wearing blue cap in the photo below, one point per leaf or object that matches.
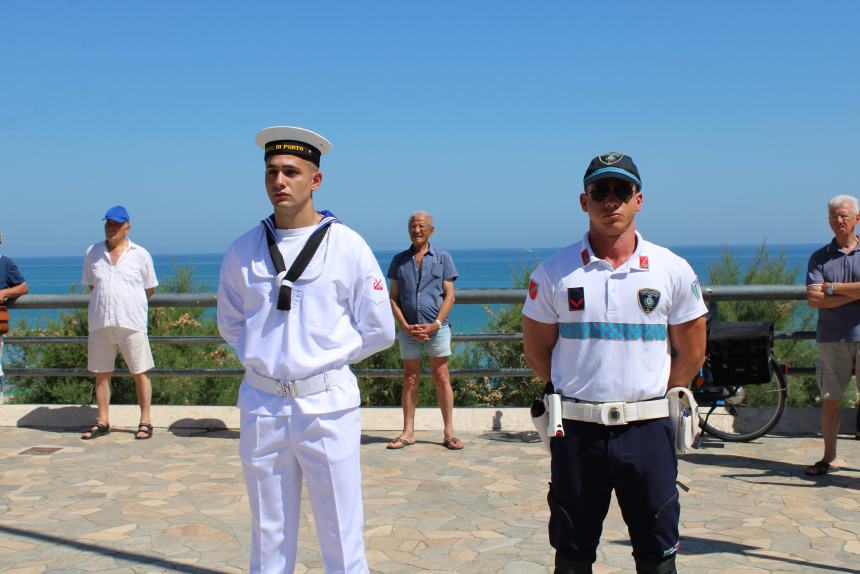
(601, 320)
(121, 276)
(300, 298)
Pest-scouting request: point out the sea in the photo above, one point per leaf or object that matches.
(478, 269)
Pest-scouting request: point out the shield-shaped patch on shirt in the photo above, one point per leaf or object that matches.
(648, 299)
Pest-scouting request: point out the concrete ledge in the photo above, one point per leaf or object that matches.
(794, 421)
(208, 417)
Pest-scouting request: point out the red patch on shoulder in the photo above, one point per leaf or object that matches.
(533, 289)
(377, 284)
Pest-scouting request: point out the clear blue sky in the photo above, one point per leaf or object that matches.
(742, 116)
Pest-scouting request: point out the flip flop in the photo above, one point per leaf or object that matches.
(96, 431)
(820, 468)
(453, 443)
(144, 428)
(399, 442)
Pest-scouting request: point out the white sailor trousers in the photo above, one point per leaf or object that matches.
(276, 452)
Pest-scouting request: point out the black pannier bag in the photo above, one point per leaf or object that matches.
(739, 352)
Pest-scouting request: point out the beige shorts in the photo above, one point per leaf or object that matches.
(836, 362)
(103, 344)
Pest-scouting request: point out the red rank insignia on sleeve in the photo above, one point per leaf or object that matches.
(533, 289)
(643, 262)
(377, 284)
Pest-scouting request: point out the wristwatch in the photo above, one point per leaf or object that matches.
(438, 323)
(828, 289)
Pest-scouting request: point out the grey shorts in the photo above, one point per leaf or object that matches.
(833, 369)
(439, 344)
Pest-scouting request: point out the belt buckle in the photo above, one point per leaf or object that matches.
(286, 388)
(612, 414)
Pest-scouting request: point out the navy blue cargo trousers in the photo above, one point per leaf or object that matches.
(636, 460)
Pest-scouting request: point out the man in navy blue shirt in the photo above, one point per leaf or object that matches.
(833, 287)
(12, 285)
(422, 294)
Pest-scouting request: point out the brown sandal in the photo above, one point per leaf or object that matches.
(96, 431)
(399, 442)
(820, 468)
(453, 443)
(144, 428)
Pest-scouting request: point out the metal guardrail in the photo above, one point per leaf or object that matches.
(464, 296)
(712, 294)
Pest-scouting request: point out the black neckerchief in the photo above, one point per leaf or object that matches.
(284, 277)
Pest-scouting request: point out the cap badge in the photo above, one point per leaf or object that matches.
(648, 299)
(610, 158)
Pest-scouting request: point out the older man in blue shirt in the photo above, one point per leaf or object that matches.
(833, 287)
(422, 294)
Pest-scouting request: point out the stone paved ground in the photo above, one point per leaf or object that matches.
(177, 503)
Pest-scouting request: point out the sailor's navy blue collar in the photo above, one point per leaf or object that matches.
(327, 217)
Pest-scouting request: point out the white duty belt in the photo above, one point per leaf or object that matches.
(298, 387)
(614, 413)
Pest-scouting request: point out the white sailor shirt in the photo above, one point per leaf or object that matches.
(340, 315)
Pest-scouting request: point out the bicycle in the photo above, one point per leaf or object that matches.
(742, 389)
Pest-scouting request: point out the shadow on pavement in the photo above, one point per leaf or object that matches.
(44, 418)
(371, 439)
(149, 561)
(208, 428)
(692, 545)
(501, 436)
(768, 467)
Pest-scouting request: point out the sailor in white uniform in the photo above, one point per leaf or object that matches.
(296, 331)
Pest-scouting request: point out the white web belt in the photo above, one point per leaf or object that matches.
(298, 387)
(614, 413)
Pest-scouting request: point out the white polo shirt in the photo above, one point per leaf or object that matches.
(119, 291)
(613, 339)
(340, 315)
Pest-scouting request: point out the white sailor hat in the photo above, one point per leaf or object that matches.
(288, 140)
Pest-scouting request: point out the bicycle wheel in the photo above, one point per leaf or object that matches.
(748, 412)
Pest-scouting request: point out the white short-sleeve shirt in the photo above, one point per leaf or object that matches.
(613, 337)
(119, 291)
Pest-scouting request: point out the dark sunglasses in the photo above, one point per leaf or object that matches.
(622, 190)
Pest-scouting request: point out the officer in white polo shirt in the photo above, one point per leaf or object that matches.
(122, 278)
(601, 319)
(301, 297)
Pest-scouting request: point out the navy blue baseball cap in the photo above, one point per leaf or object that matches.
(612, 164)
(117, 213)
